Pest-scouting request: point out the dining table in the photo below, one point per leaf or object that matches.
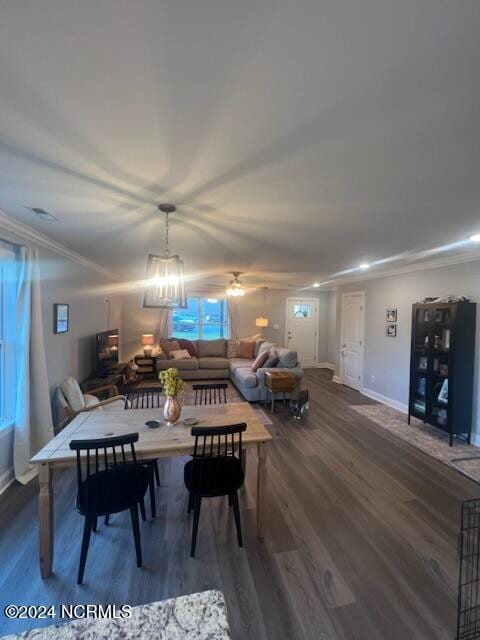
(161, 442)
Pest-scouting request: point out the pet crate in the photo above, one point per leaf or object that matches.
(468, 613)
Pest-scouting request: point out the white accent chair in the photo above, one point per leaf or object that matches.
(71, 400)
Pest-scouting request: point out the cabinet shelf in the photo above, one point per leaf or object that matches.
(441, 366)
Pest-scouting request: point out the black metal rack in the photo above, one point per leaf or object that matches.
(468, 613)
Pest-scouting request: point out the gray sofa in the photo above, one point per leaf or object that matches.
(213, 364)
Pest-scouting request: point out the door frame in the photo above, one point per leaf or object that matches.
(362, 329)
(317, 305)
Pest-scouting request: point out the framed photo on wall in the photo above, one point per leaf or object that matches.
(391, 330)
(391, 315)
(61, 318)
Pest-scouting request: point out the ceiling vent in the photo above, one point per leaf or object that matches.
(42, 214)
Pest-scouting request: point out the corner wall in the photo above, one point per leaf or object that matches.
(387, 360)
(72, 353)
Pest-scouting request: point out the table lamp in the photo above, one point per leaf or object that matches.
(147, 342)
(261, 322)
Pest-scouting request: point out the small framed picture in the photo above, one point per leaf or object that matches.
(422, 363)
(60, 318)
(391, 330)
(443, 395)
(391, 315)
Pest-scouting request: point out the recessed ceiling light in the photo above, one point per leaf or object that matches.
(316, 284)
(364, 266)
(475, 238)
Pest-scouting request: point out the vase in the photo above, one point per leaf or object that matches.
(172, 410)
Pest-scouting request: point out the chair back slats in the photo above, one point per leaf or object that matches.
(228, 441)
(92, 448)
(143, 398)
(215, 393)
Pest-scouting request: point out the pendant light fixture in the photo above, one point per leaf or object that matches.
(235, 288)
(262, 320)
(166, 282)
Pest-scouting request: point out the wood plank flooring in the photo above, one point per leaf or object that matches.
(361, 538)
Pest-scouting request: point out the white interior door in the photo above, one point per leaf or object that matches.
(351, 353)
(301, 329)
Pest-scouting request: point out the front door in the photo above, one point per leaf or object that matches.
(351, 354)
(301, 329)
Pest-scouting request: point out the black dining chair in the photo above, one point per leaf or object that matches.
(215, 471)
(111, 483)
(147, 398)
(214, 393)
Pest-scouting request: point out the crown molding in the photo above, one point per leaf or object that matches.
(435, 263)
(29, 233)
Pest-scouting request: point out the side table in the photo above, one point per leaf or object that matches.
(278, 382)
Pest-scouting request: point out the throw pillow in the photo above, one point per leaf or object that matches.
(72, 392)
(259, 361)
(232, 348)
(161, 355)
(265, 346)
(180, 354)
(172, 345)
(258, 344)
(245, 349)
(287, 358)
(272, 359)
(189, 346)
(254, 338)
(212, 348)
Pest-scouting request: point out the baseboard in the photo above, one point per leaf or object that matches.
(475, 439)
(326, 365)
(6, 479)
(337, 379)
(399, 406)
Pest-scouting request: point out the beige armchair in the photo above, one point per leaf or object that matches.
(71, 400)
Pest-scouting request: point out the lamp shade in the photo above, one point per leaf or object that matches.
(261, 322)
(147, 339)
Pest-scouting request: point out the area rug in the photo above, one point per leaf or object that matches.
(462, 457)
(233, 395)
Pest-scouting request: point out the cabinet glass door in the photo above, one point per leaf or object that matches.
(420, 368)
(442, 330)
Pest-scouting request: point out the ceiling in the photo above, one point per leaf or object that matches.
(298, 138)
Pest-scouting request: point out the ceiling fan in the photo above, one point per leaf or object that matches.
(235, 287)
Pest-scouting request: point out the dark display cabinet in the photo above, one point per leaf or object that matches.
(441, 366)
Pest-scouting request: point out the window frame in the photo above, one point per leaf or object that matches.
(200, 300)
(8, 266)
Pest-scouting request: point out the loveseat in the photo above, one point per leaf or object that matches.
(212, 362)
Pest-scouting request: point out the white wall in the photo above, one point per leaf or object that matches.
(331, 328)
(72, 353)
(387, 360)
(136, 320)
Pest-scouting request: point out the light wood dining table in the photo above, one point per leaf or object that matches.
(162, 442)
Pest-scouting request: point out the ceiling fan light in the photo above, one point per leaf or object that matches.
(236, 291)
(235, 288)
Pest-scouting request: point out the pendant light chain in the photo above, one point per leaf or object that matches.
(167, 226)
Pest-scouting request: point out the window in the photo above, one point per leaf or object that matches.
(204, 318)
(302, 310)
(7, 324)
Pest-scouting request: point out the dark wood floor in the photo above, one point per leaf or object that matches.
(361, 538)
